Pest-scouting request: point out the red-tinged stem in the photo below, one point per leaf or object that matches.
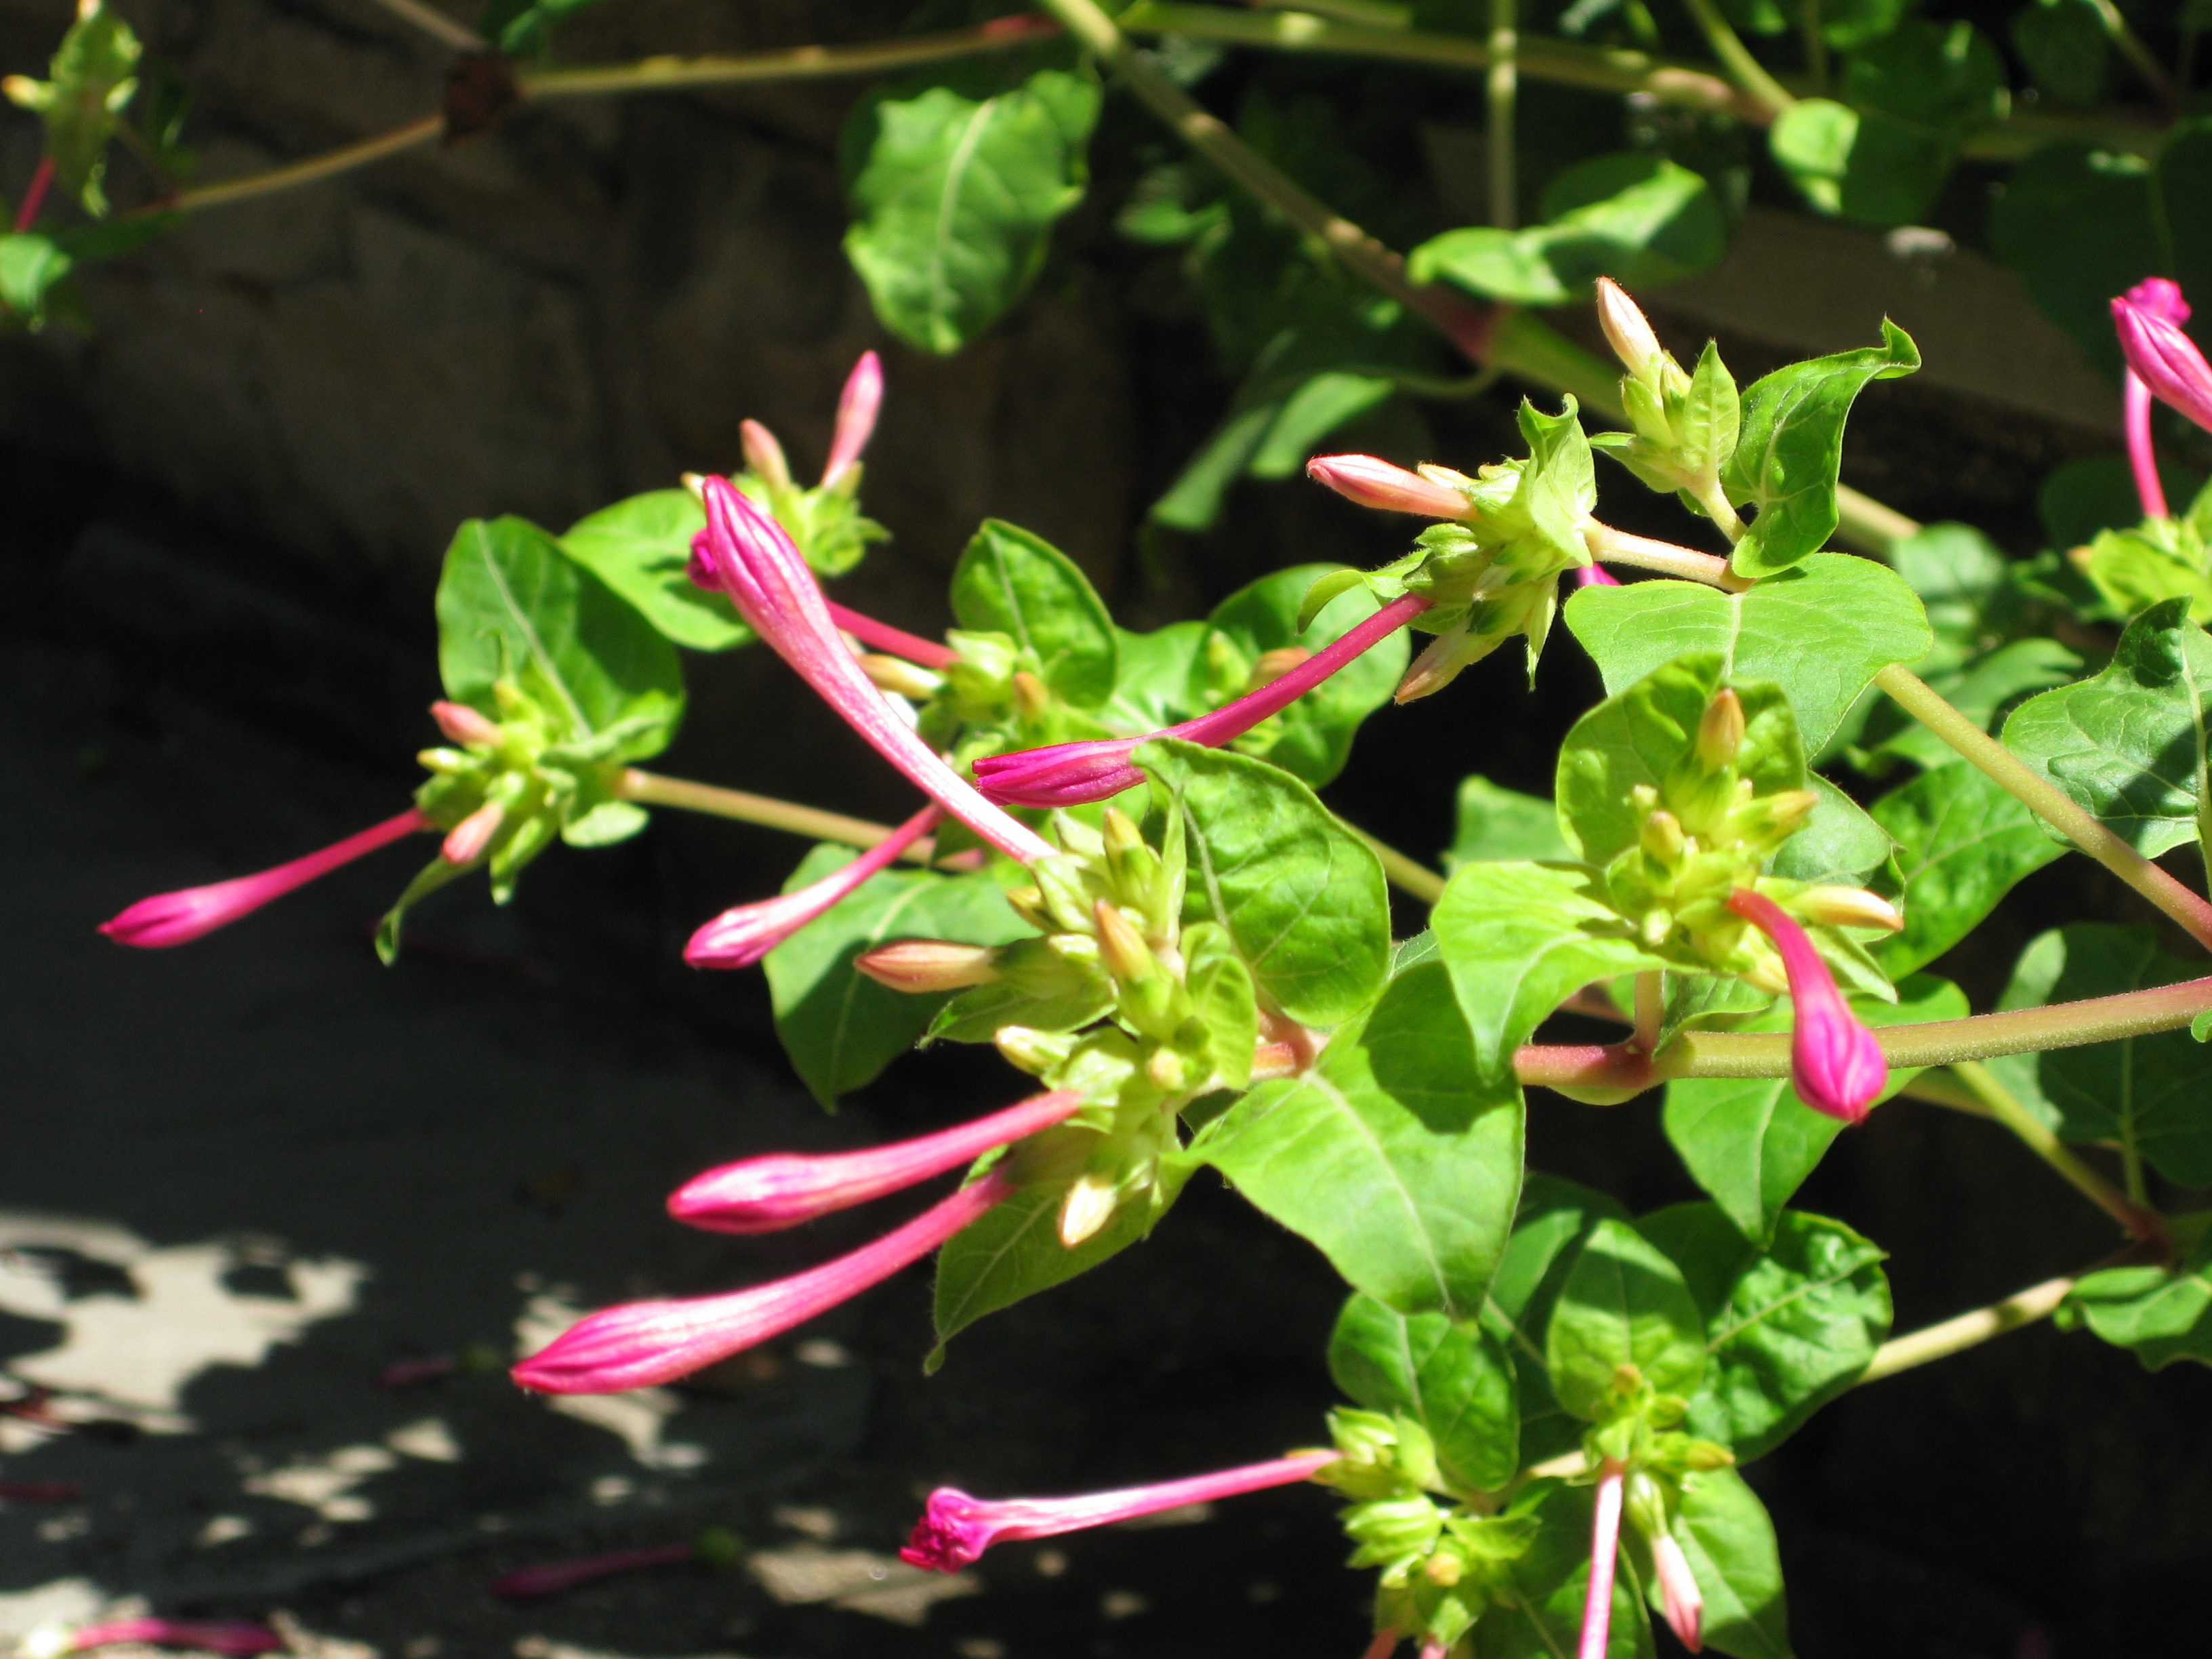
(34, 195)
(897, 641)
(1620, 1066)
(1234, 718)
(1605, 1543)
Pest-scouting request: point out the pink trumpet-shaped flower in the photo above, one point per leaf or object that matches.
(765, 1194)
(528, 1583)
(2166, 359)
(1680, 1598)
(641, 1344)
(1373, 482)
(897, 641)
(1068, 774)
(742, 936)
(2160, 298)
(191, 913)
(744, 553)
(1604, 1547)
(228, 1636)
(1594, 575)
(857, 407)
(1835, 1064)
(956, 1530)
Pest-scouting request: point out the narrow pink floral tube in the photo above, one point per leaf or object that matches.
(191, 913)
(1068, 774)
(1604, 1547)
(741, 936)
(465, 841)
(744, 553)
(528, 1583)
(1372, 482)
(641, 1344)
(228, 1636)
(1680, 1599)
(2166, 359)
(2160, 298)
(766, 1194)
(857, 407)
(954, 1529)
(1384, 1645)
(897, 641)
(1835, 1063)
(1595, 574)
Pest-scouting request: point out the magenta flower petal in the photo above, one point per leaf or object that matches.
(1835, 1063)
(1605, 1544)
(764, 1195)
(641, 1344)
(2166, 359)
(857, 407)
(1373, 482)
(955, 1529)
(744, 553)
(528, 1583)
(1680, 1599)
(740, 937)
(2160, 297)
(228, 1636)
(2154, 296)
(1594, 575)
(191, 913)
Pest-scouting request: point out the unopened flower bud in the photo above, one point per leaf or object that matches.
(857, 408)
(1122, 835)
(1836, 1065)
(1031, 698)
(764, 455)
(1033, 1051)
(462, 724)
(1773, 817)
(1720, 733)
(1273, 665)
(1683, 1604)
(1089, 1205)
(1372, 482)
(1120, 946)
(897, 674)
(920, 966)
(1847, 907)
(466, 840)
(1662, 836)
(1627, 331)
(1705, 1454)
(1444, 1568)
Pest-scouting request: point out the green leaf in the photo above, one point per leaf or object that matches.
(1729, 1538)
(1838, 844)
(1387, 1155)
(522, 28)
(1454, 1380)
(2079, 225)
(1962, 844)
(1634, 217)
(1788, 1326)
(954, 198)
(1792, 444)
(1552, 1583)
(2067, 49)
(1496, 824)
(1009, 581)
(1014, 1251)
(1312, 738)
(1556, 1219)
(1783, 629)
(1302, 895)
(2151, 1094)
(1624, 1303)
(840, 1028)
(32, 265)
(2129, 744)
(511, 603)
(641, 547)
(2164, 1316)
(94, 76)
(1152, 686)
(1519, 940)
(1750, 1142)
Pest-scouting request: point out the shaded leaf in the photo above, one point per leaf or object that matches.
(1624, 1303)
(1453, 1379)
(1962, 844)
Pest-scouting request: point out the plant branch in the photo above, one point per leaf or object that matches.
(1605, 542)
(653, 789)
(793, 63)
(2047, 801)
(2133, 48)
(1747, 72)
(343, 159)
(1940, 1341)
(1416, 878)
(434, 23)
(2142, 1223)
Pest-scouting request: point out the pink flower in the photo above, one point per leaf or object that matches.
(956, 1530)
(740, 937)
(1373, 482)
(528, 1583)
(1067, 773)
(641, 1344)
(229, 1636)
(191, 913)
(2154, 296)
(2166, 359)
(764, 1195)
(1605, 1544)
(1594, 575)
(744, 553)
(1682, 1601)
(897, 641)
(856, 417)
(1835, 1064)
(466, 840)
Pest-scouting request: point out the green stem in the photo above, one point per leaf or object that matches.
(1619, 547)
(1920, 1347)
(1743, 69)
(434, 23)
(1503, 89)
(2134, 48)
(1416, 878)
(2047, 801)
(2141, 1222)
(653, 789)
(1816, 46)
(331, 162)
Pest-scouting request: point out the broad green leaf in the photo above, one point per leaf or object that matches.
(521, 28)
(840, 1028)
(2129, 744)
(1839, 843)
(31, 266)
(1152, 687)
(1551, 1582)
(2066, 47)
(1788, 1327)
(2164, 1316)
(1556, 1217)
(1792, 444)
(1519, 940)
(2079, 225)
(1959, 574)
(1311, 739)
(1624, 1303)
(1729, 1538)
(1009, 581)
(1499, 825)
(1387, 1155)
(1014, 1251)
(95, 77)
(1750, 1142)
(1453, 1379)
(1634, 217)
(2135, 567)
(1637, 735)
(641, 547)
(954, 198)
(511, 603)
(1863, 165)
(2151, 1095)
(1784, 630)
(1302, 895)
(1962, 844)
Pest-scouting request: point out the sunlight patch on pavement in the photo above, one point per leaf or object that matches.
(859, 1580)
